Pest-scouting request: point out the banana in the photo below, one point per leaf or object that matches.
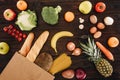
(57, 36)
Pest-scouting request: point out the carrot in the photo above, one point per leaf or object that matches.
(69, 16)
(21, 5)
(106, 52)
(27, 45)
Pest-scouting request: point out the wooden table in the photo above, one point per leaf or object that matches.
(113, 10)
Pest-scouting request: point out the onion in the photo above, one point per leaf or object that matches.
(77, 52)
(108, 20)
(80, 74)
(70, 46)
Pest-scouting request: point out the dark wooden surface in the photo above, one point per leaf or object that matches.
(113, 10)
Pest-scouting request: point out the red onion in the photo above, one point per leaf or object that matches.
(80, 74)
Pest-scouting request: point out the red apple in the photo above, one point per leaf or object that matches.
(9, 14)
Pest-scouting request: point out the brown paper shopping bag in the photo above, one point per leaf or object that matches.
(20, 68)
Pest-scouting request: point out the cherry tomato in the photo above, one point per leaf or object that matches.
(100, 7)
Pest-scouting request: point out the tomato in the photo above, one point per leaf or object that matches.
(100, 7)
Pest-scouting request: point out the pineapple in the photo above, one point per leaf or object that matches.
(101, 64)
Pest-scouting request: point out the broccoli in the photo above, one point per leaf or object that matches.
(50, 14)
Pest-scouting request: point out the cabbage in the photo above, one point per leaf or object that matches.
(26, 20)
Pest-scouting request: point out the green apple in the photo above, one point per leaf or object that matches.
(4, 48)
(85, 7)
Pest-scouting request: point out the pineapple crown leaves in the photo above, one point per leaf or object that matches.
(91, 49)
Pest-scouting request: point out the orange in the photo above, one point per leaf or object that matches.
(69, 16)
(113, 42)
(21, 5)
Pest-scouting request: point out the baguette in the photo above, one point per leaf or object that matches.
(27, 45)
(34, 51)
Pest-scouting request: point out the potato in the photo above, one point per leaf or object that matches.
(44, 60)
(93, 19)
(100, 25)
(93, 30)
(97, 35)
(68, 74)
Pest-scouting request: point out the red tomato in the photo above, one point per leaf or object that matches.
(100, 7)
